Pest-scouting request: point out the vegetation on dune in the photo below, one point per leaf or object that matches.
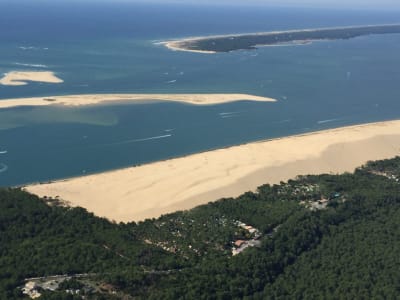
(326, 236)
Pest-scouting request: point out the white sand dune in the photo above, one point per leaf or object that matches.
(136, 193)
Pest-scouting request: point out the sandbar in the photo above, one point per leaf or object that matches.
(150, 190)
(91, 99)
(17, 78)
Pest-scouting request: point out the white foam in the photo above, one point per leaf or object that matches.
(32, 48)
(158, 42)
(3, 152)
(31, 65)
(171, 81)
(27, 48)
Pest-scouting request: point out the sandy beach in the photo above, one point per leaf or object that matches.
(180, 46)
(18, 78)
(91, 99)
(146, 191)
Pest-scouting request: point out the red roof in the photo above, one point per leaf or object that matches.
(239, 243)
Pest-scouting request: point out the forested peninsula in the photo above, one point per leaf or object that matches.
(229, 43)
(326, 236)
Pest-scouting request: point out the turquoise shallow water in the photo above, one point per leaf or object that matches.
(318, 86)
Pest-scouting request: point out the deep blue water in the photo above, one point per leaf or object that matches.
(110, 48)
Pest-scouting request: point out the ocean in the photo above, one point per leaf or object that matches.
(108, 48)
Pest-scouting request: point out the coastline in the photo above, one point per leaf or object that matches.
(176, 45)
(181, 44)
(146, 191)
(92, 99)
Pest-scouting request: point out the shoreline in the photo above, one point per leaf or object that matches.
(92, 99)
(174, 46)
(188, 181)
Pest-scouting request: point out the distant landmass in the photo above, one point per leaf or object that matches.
(227, 43)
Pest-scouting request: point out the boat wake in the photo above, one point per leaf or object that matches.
(143, 139)
(27, 48)
(24, 48)
(225, 115)
(3, 168)
(284, 121)
(327, 121)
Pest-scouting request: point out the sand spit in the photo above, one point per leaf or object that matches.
(183, 43)
(22, 78)
(76, 100)
(136, 193)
